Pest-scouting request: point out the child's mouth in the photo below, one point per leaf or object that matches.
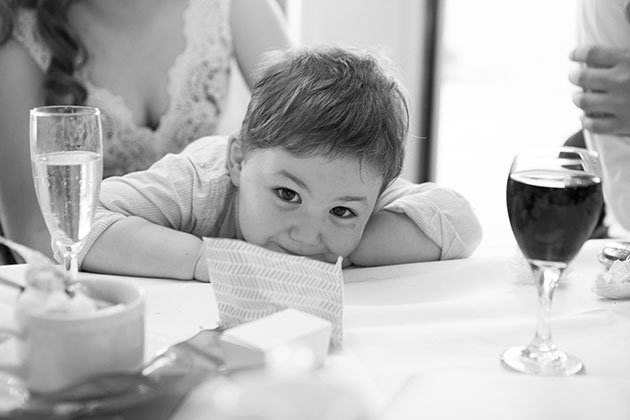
(279, 248)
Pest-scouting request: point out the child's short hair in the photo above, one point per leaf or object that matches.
(332, 102)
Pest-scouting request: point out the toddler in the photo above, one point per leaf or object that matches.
(314, 171)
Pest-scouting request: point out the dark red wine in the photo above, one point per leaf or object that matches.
(553, 213)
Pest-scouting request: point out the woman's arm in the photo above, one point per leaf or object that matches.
(20, 90)
(258, 26)
(418, 222)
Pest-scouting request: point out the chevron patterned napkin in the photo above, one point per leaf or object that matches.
(251, 282)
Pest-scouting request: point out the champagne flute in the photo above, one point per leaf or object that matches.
(67, 160)
(554, 198)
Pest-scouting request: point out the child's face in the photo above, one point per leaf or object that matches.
(305, 206)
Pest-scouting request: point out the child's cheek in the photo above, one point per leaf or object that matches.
(347, 242)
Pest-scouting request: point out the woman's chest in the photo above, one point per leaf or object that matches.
(149, 74)
(134, 62)
(140, 77)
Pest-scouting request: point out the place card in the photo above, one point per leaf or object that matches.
(251, 282)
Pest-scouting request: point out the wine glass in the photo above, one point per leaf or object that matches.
(67, 160)
(554, 199)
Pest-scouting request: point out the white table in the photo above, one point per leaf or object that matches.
(442, 326)
(423, 340)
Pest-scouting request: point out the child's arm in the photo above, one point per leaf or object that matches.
(149, 223)
(414, 223)
(393, 238)
(135, 246)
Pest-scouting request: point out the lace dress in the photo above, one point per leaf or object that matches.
(197, 88)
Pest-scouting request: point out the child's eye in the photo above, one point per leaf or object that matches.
(288, 195)
(342, 212)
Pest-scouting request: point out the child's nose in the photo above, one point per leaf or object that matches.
(306, 230)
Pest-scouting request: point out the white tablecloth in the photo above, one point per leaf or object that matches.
(423, 340)
(435, 332)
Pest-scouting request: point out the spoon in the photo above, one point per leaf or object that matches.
(32, 256)
(12, 283)
(35, 257)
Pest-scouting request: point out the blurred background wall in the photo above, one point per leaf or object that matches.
(394, 30)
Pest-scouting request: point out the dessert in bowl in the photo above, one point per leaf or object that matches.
(64, 338)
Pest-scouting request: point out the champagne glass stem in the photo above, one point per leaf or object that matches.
(70, 263)
(72, 267)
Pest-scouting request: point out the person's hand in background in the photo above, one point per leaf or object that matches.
(605, 80)
(604, 76)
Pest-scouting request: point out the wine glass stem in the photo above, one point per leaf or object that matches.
(547, 277)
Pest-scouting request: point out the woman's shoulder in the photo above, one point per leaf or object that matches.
(208, 31)
(25, 32)
(21, 82)
(14, 56)
(208, 17)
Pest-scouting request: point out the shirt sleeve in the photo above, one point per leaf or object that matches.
(444, 215)
(176, 192)
(614, 154)
(602, 22)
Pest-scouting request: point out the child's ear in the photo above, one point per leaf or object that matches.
(234, 159)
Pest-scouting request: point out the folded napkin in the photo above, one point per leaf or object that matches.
(615, 282)
(251, 282)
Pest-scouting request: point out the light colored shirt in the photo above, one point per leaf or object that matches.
(192, 192)
(604, 23)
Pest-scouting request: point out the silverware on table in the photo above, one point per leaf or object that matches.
(614, 251)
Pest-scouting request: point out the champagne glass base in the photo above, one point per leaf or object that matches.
(526, 359)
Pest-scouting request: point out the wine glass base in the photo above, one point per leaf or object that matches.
(524, 359)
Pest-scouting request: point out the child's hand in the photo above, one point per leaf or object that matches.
(200, 271)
